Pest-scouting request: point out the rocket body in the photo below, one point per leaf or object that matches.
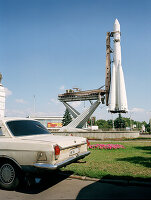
(117, 94)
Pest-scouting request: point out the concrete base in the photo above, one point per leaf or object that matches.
(103, 135)
(66, 129)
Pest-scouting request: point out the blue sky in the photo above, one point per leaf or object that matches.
(47, 46)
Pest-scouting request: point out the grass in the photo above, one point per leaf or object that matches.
(133, 162)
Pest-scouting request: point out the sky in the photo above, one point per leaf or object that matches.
(48, 46)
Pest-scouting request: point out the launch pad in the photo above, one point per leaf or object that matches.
(80, 120)
(97, 95)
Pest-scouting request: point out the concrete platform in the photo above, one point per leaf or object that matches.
(103, 135)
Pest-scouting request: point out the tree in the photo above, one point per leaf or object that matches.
(66, 118)
(119, 122)
(101, 123)
(147, 127)
(110, 123)
(128, 121)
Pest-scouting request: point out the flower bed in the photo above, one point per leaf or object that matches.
(106, 146)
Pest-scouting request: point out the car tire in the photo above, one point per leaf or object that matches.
(9, 175)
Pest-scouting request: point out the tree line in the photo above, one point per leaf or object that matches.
(119, 122)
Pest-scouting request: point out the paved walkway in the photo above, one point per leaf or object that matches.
(67, 188)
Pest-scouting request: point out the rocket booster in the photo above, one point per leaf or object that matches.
(117, 94)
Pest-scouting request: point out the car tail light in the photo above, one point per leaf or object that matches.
(57, 151)
(88, 143)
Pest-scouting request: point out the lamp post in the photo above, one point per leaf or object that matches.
(149, 112)
(150, 124)
(112, 123)
(131, 126)
(34, 105)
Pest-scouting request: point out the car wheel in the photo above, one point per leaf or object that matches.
(9, 177)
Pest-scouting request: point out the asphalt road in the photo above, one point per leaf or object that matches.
(67, 188)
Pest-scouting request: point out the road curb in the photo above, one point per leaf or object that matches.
(114, 181)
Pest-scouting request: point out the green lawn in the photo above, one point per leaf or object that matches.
(132, 162)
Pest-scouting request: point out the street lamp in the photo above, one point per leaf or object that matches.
(150, 122)
(131, 126)
(112, 122)
(34, 105)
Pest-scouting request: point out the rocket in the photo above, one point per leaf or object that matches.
(117, 94)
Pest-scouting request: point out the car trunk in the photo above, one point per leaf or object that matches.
(62, 141)
(69, 146)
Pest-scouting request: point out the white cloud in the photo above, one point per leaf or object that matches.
(19, 112)
(21, 101)
(7, 92)
(15, 113)
(55, 101)
(40, 114)
(26, 112)
(137, 110)
(62, 87)
(148, 113)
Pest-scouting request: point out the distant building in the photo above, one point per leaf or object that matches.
(52, 123)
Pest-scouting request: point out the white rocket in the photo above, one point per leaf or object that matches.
(117, 95)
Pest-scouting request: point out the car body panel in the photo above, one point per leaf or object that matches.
(37, 151)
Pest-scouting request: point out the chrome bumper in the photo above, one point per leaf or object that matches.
(61, 164)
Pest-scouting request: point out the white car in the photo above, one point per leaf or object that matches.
(26, 145)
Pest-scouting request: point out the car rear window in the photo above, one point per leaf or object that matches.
(26, 128)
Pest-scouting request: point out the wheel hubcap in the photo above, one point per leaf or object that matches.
(7, 174)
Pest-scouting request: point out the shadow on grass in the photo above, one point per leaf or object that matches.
(141, 160)
(145, 148)
(126, 178)
(146, 162)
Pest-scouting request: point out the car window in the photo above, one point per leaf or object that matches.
(26, 128)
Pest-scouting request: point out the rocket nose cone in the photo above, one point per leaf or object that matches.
(116, 21)
(116, 25)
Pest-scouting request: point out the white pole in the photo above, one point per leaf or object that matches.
(113, 122)
(34, 105)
